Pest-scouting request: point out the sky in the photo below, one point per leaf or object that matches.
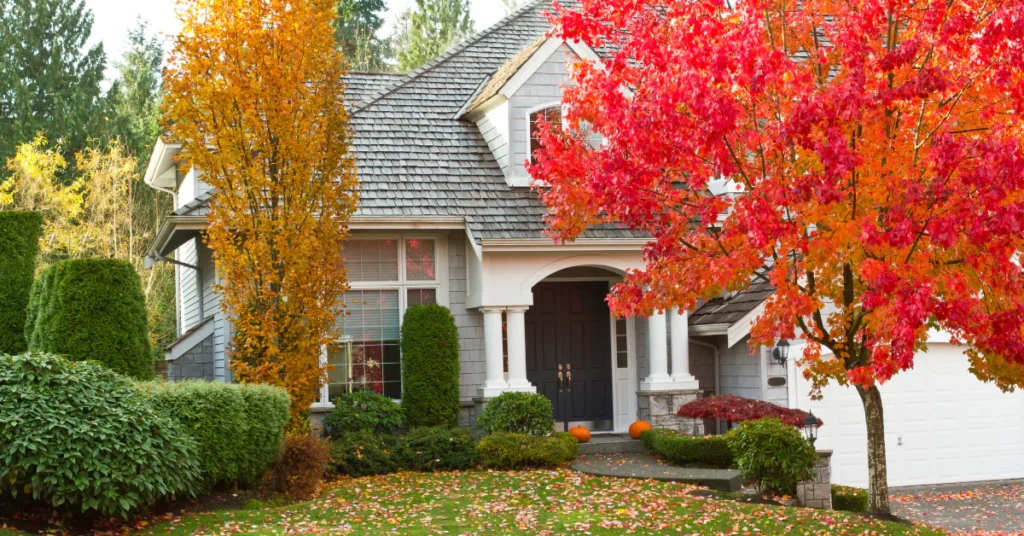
(113, 18)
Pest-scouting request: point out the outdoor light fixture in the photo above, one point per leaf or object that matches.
(811, 428)
(781, 352)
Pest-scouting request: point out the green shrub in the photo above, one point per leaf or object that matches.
(503, 450)
(430, 366)
(266, 413)
(365, 453)
(19, 247)
(437, 449)
(849, 499)
(92, 309)
(690, 451)
(299, 471)
(77, 434)
(518, 413)
(363, 411)
(772, 456)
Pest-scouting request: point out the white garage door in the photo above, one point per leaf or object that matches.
(942, 425)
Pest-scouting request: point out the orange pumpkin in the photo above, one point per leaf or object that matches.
(581, 434)
(638, 428)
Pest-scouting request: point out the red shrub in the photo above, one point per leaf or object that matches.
(738, 409)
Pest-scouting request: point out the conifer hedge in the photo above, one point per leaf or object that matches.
(430, 366)
(19, 247)
(91, 310)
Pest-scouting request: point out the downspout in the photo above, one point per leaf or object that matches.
(718, 373)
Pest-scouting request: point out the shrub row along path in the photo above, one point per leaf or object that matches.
(644, 465)
(523, 502)
(991, 508)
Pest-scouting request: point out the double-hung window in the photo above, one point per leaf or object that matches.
(387, 275)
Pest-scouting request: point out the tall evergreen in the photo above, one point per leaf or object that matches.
(356, 29)
(430, 29)
(134, 97)
(49, 79)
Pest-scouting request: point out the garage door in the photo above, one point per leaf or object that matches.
(942, 425)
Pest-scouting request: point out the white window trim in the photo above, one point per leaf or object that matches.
(440, 284)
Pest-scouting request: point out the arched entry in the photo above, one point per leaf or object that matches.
(570, 345)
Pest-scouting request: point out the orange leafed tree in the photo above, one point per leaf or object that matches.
(254, 95)
(865, 158)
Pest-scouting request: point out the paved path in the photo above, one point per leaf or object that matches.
(989, 508)
(643, 465)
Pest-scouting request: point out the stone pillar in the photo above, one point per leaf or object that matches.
(494, 362)
(680, 331)
(659, 408)
(516, 319)
(817, 492)
(657, 353)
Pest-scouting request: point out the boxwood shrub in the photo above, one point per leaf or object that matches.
(91, 309)
(772, 455)
(690, 451)
(437, 448)
(520, 413)
(236, 442)
(430, 366)
(19, 247)
(365, 453)
(76, 434)
(849, 499)
(363, 411)
(503, 450)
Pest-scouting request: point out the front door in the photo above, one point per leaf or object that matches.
(568, 331)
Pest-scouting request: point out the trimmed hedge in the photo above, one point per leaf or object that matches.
(430, 366)
(365, 453)
(849, 499)
(236, 442)
(772, 455)
(437, 449)
(91, 309)
(675, 447)
(363, 411)
(517, 413)
(504, 450)
(19, 247)
(77, 434)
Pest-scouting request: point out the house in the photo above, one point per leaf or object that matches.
(446, 216)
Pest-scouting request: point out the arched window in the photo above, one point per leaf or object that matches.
(553, 114)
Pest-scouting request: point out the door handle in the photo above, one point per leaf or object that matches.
(568, 376)
(559, 377)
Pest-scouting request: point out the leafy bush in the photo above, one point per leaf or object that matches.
(91, 309)
(19, 247)
(736, 409)
(363, 411)
(299, 471)
(503, 450)
(519, 413)
(365, 453)
(849, 499)
(78, 434)
(430, 366)
(772, 455)
(673, 446)
(266, 414)
(238, 428)
(437, 449)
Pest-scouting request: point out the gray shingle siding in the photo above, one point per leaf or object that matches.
(195, 364)
(544, 87)
(470, 323)
(496, 141)
(740, 372)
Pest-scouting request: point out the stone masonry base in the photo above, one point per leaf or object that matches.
(817, 493)
(659, 408)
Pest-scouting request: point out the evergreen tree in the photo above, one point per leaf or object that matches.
(134, 97)
(430, 29)
(356, 30)
(49, 80)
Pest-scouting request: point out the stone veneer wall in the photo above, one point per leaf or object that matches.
(817, 493)
(195, 364)
(659, 408)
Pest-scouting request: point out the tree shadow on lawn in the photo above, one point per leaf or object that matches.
(752, 498)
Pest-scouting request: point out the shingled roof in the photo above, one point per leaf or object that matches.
(731, 309)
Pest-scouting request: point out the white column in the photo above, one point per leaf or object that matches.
(516, 319)
(680, 332)
(494, 383)
(657, 353)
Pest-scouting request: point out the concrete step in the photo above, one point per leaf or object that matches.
(612, 444)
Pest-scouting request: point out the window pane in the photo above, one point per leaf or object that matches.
(365, 365)
(553, 115)
(419, 260)
(422, 296)
(369, 315)
(621, 347)
(372, 260)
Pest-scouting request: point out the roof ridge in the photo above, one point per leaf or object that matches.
(430, 65)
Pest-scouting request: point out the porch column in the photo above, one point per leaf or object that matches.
(516, 320)
(494, 383)
(657, 353)
(680, 332)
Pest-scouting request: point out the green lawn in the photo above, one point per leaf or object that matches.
(535, 502)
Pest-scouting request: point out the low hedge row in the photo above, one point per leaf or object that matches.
(675, 447)
(849, 499)
(434, 448)
(505, 450)
(238, 427)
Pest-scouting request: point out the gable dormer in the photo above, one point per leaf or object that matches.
(509, 104)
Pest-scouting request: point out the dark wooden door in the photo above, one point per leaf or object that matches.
(569, 327)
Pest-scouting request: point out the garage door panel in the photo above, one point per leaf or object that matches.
(942, 425)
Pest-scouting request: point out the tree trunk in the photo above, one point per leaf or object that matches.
(878, 482)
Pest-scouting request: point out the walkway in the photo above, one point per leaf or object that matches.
(981, 508)
(644, 465)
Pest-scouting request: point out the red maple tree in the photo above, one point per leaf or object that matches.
(863, 157)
